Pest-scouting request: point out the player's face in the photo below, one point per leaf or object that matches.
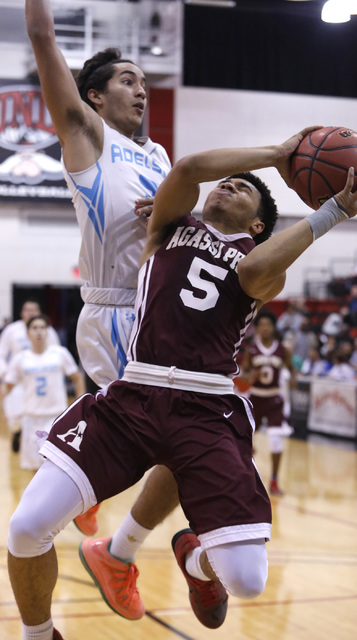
(124, 98)
(37, 332)
(29, 310)
(235, 199)
(265, 329)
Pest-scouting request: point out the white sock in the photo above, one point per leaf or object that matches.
(128, 538)
(42, 631)
(193, 565)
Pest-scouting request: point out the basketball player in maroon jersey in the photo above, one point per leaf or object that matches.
(264, 360)
(199, 287)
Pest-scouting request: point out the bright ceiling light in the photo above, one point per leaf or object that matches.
(336, 11)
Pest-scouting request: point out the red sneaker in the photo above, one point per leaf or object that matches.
(56, 635)
(208, 598)
(274, 489)
(116, 579)
(87, 522)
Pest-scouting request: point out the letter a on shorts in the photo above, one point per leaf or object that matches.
(77, 433)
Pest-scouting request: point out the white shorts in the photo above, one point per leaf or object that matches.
(13, 407)
(103, 334)
(30, 442)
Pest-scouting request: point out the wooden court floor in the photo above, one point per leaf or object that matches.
(312, 587)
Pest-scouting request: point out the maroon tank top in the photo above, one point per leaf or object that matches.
(191, 311)
(267, 362)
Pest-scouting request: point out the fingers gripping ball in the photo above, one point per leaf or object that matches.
(320, 164)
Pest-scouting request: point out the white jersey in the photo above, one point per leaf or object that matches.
(42, 375)
(113, 238)
(112, 235)
(14, 339)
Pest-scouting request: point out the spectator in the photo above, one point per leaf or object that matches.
(291, 318)
(351, 315)
(341, 370)
(304, 338)
(314, 365)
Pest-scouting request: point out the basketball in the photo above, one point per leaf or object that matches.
(320, 164)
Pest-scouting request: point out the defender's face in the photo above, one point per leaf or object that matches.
(29, 310)
(235, 199)
(37, 332)
(124, 99)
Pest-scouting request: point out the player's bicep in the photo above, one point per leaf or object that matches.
(260, 288)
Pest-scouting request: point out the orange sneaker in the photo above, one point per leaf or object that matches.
(115, 579)
(274, 489)
(87, 522)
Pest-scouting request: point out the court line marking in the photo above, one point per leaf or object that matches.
(168, 626)
(316, 514)
(183, 610)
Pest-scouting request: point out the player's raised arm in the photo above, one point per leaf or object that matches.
(178, 194)
(68, 112)
(262, 271)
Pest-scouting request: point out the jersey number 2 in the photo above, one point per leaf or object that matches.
(209, 300)
(41, 385)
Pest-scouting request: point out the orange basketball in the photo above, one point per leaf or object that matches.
(320, 164)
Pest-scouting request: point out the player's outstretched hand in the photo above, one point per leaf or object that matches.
(287, 148)
(144, 206)
(347, 199)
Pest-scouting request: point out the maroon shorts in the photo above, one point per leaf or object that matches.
(205, 440)
(269, 408)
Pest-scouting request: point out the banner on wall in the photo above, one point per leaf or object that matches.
(333, 408)
(30, 166)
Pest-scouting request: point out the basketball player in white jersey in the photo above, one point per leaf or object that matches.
(110, 174)
(42, 370)
(13, 340)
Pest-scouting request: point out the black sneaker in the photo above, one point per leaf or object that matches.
(15, 443)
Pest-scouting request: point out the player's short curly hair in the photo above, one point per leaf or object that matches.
(97, 71)
(265, 313)
(268, 212)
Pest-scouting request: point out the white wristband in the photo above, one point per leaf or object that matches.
(329, 214)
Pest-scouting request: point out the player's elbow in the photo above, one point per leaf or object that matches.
(186, 169)
(39, 31)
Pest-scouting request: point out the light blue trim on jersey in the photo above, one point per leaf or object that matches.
(93, 197)
(149, 185)
(115, 336)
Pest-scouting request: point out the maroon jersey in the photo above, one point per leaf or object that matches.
(267, 362)
(191, 311)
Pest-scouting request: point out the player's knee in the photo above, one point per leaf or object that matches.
(247, 584)
(27, 538)
(242, 568)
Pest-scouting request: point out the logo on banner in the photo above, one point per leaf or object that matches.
(29, 149)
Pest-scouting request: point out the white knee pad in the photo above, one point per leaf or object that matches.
(48, 504)
(242, 567)
(276, 443)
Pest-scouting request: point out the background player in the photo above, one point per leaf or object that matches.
(41, 370)
(110, 173)
(14, 339)
(264, 361)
